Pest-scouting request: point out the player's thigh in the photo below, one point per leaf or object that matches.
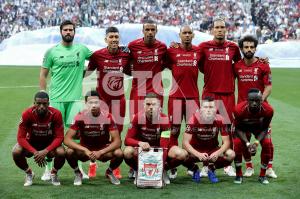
(72, 109)
(18, 150)
(176, 110)
(177, 152)
(61, 107)
(59, 151)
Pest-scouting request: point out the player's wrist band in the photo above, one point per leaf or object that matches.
(247, 144)
(256, 142)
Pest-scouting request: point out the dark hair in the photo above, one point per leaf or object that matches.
(208, 99)
(91, 93)
(111, 29)
(186, 25)
(253, 90)
(254, 93)
(151, 95)
(149, 21)
(42, 95)
(248, 38)
(66, 22)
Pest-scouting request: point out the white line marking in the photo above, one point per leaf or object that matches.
(9, 87)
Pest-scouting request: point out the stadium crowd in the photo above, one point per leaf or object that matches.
(270, 20)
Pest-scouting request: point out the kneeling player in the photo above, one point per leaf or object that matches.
(201, 141)
(253, 116)
(99, 139)
(148, 129)
(40, 134)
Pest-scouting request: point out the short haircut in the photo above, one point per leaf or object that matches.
(218, 18)
(248, 38)
(208, 99)
(186, 25)
(149, 21)
(151, 95)
(91, 93)
(66, 22)
(42, 95)
(254, 92)
(111, 29)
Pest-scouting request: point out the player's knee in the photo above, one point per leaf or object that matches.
(17, 150)
(60, 151)
(69, 152)
(229, 154)
(118, 153)
(179, 154)
(128, 152)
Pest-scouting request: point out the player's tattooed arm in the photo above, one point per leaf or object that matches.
(43, 78)
(241, 135)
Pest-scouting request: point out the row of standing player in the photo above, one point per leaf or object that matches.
(150, 54)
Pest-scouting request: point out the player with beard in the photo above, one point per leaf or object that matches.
(200, 140)
(148, 129)
(40, 134)
(111, 63)
(253, 117)
(65, 62)
(251, 73)
(99, 139)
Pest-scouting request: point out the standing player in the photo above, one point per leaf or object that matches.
(184, 95)
(111, 63)
(251, 73)
(150, 128)
(253, 117)
(201, 140)
(148, 55)
(217, 57)
(99, 139)
(40, 135)
(65, 62)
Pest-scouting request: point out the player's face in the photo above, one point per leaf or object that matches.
(67, 33)
(254, 103)
(112, 39)
(149, 31)
(219, 30)
(93, 105)
(186, 35)
(248, 49)
(208, 111)
(152, 107)
(41, 105)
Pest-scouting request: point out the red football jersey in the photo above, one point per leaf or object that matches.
(256, 75)
(141, 129)
(148, 61)
(205, 136)
(184, 66)
(217, 65)
(111, 69)
(94, 131)
(46, 132)
(254, 123)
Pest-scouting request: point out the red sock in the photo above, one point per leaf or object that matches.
(249, 165)
(263, 170)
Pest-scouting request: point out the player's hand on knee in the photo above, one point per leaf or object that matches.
(214, 156)
(98, 154)
(203, 157)
(145, 146)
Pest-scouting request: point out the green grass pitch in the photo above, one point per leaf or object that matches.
(18, 84)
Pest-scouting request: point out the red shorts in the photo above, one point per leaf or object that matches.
(178, 108)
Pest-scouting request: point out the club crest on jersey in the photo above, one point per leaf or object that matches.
(120, 61)
(255, 70)
(150, 169)
(115, 83)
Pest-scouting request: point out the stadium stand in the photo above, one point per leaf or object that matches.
(283, 23)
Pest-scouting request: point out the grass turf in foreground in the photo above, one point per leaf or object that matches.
(285, 100)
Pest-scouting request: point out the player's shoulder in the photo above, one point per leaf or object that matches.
(240, 107)
(262, 65)
(205, 44)
(219, 119)
(136, 42)
(28, 111)
(160, 44)
(233, 44)
(267, 108)
(164, 118)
